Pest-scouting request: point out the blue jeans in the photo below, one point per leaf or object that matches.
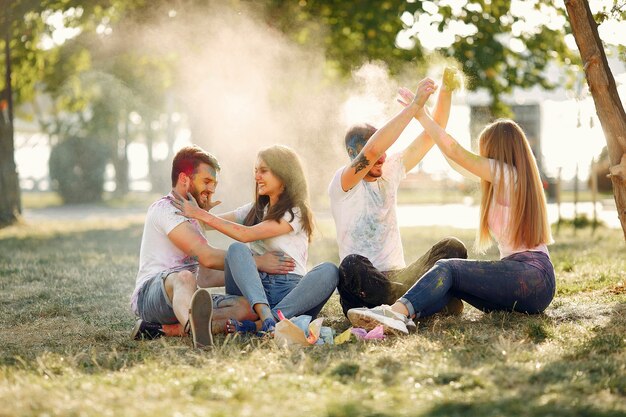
(292, 294)
(522, 282)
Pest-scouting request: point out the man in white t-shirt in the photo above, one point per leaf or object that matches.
(175, 256)
(363, 198)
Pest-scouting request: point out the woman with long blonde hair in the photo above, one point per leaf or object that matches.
(512, 210)
(279, 220)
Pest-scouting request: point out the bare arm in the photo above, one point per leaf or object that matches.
(270, 262)
(384, 137)
(226, 216)
(230, 216)
(468, 160)
(416, 151)
(193, 243)
(264, 230)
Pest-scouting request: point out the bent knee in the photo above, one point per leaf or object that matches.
(353, 262)
(237, 249)
(454, 248)
(350, 260)
(182, 279)
(444, 264)
(330, 272)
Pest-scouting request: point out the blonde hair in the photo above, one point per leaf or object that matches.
(286, 165)
(505, 142)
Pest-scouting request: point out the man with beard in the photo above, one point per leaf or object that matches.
(363, 202)
(175, 256)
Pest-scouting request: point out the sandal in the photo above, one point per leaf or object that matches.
(244, 326)
(268, 327)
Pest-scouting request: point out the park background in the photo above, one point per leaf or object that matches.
(104, 93)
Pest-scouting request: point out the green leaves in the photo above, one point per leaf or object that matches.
(498, 56)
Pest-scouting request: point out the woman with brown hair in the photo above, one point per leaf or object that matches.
(279, 220)
(512, 209)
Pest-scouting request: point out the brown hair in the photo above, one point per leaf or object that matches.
(504, 141)
(187, 160)
(286, 165)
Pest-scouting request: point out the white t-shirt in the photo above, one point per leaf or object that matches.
(157, 252)
(365, 217)
(500, 210)
(294, 243)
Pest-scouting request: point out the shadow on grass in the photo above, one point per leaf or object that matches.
(574, 384)
(65, 292)
(594, 366)
(519, 407)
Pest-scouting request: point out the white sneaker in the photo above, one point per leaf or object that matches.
(369, 318)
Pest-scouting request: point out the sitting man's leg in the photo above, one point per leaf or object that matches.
(361, 284)
(225, 308)
(165, 298)
(180, 287)
(447, 248)
(163, 304)
(230, 307)
(207, 278)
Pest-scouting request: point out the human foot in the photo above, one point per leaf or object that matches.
(244, 326)
(268, 326)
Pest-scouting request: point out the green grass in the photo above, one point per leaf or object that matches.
(37, 200)
(64, 347)
(443, 195)
(453, 195)
(47, 199)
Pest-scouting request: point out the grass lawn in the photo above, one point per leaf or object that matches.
(64, 346)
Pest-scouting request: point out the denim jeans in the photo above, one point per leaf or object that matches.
(522, 282)
(292, 294)
(363, 285)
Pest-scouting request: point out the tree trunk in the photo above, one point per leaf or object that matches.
(604, 92)
(10, 205)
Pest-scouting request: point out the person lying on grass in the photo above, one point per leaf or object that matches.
(512, 209)
(175, 255)
(278, 220)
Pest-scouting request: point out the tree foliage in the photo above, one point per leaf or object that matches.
(101, 76)
(350, 32)
(77, 168)
(494, 54)
(94, 80)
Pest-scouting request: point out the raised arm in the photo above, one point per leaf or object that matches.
(416, 151)
(264, 230)
(468, 160)
(384, 137)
